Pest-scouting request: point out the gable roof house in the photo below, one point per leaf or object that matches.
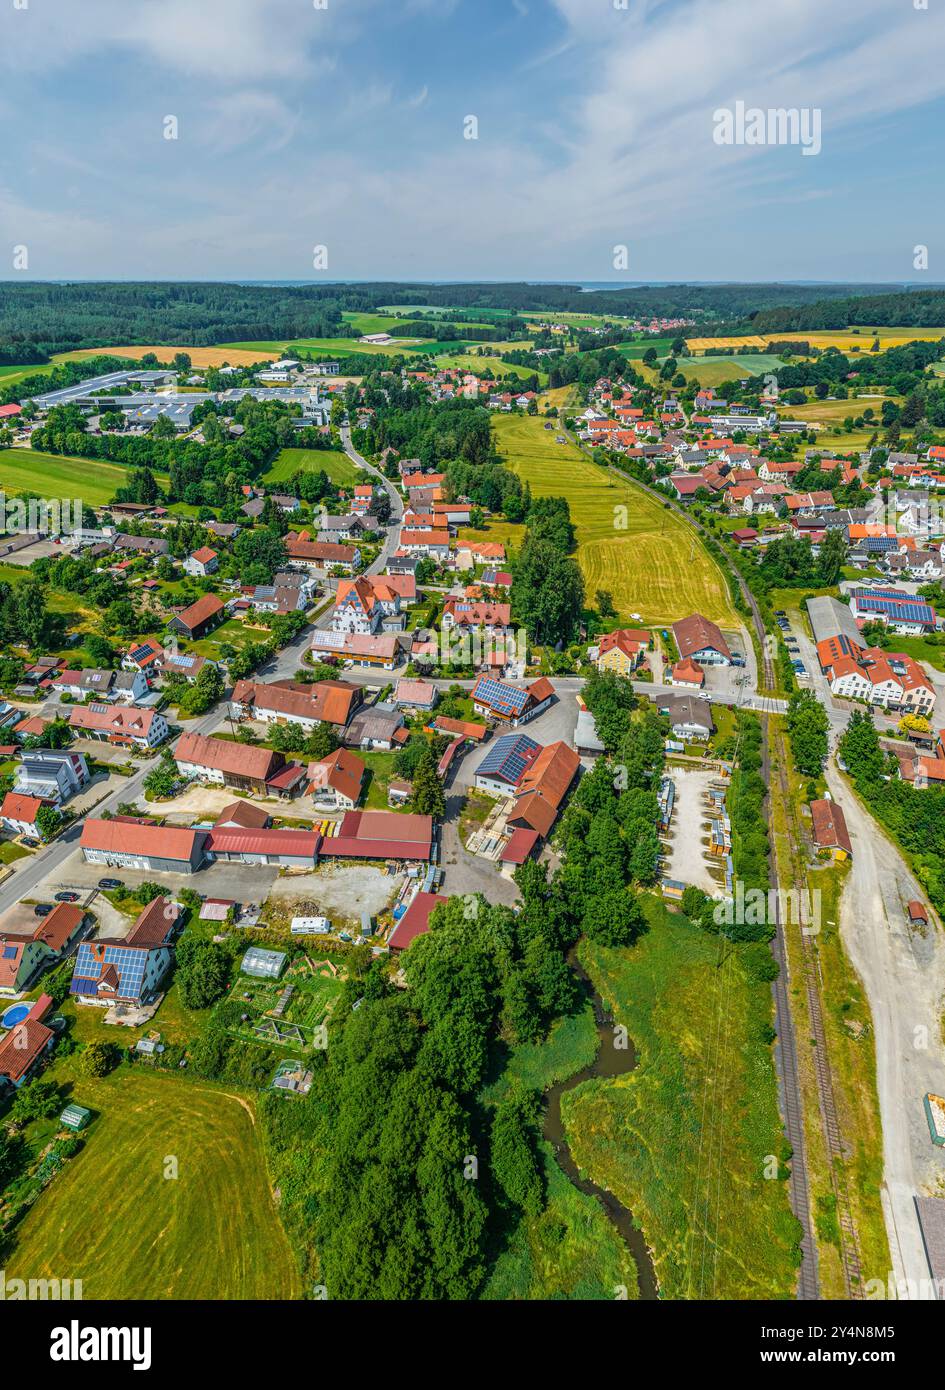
(25, 1046)
(26, 953)
(128, 971)
(128, 727)
(701, 640)
(296, 702)
(338, 780)
(226, 764)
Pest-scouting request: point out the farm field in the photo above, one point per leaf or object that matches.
(682, 1139)
(830, 415)
(628, 543)
(334, 462)
(331, 347)
(842, 338)
(712, 370)
(199, 356)
(210, 1233)
(58, 475)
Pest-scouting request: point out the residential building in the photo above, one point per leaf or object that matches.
(18, 814)
(338, 780)
(128, 971)
(24, 1047)
(505, 763)
(227, 764)
(623, 651)
(360, 649)
(296, 702)
(701, 640)
(136, 728)
(509, 704)
(26, 951)
(52, 774)
(202, 562)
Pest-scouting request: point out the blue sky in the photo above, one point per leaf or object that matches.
(343, 127)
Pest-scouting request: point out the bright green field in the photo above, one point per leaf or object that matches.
(647, 557)
(711, 371)
(55, 475)
(113, 1220)
(334, 462)
(683, 1140)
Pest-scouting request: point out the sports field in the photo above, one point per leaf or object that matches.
(334, 462)
(210, 1232)
(58, 475)
(628, 543)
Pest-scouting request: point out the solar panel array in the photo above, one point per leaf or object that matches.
(500, 696)
(129, 961)
(138, 653)
(895, 605)
(510, 756)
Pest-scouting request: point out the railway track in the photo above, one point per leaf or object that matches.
(837, 1150)
(808, 1284)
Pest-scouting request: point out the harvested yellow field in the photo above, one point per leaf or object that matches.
(647, 557)
(862, 338)
(713, 344)
(199, 356)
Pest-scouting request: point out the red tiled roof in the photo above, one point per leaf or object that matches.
(21, 1047)
(16, 806)
(415, 921)
(133, 837)
(206, 607)
(830, 826)
(240, 759)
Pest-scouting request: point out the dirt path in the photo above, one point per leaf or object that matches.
(904, 976)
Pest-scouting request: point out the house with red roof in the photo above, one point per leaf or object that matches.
(202, 562)
(25, 1046)
(18, 813)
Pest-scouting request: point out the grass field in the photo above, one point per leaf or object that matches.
(58, 475)
(830, 415)
(684, 1139)
(712, 370)
(648, 558)
(334, 462)
(210, 1233)
(570, 1250)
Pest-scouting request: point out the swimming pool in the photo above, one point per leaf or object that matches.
(15, 1014)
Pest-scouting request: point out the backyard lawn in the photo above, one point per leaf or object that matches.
(210, 1232)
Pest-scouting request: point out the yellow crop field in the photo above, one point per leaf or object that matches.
(628, 543)
(713, 344)
(199, 356)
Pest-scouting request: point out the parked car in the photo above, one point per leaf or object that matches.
(42, 909)
(67, 897)
(110, 883)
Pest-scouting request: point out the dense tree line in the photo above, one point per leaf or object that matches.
(61, 317)
(909, 308)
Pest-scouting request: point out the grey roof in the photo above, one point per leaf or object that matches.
(830, 618)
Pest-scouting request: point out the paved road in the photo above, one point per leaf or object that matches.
(28, 873)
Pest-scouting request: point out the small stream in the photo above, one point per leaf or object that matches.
(610, 1061)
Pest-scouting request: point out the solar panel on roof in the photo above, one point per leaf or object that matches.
(9, 952)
